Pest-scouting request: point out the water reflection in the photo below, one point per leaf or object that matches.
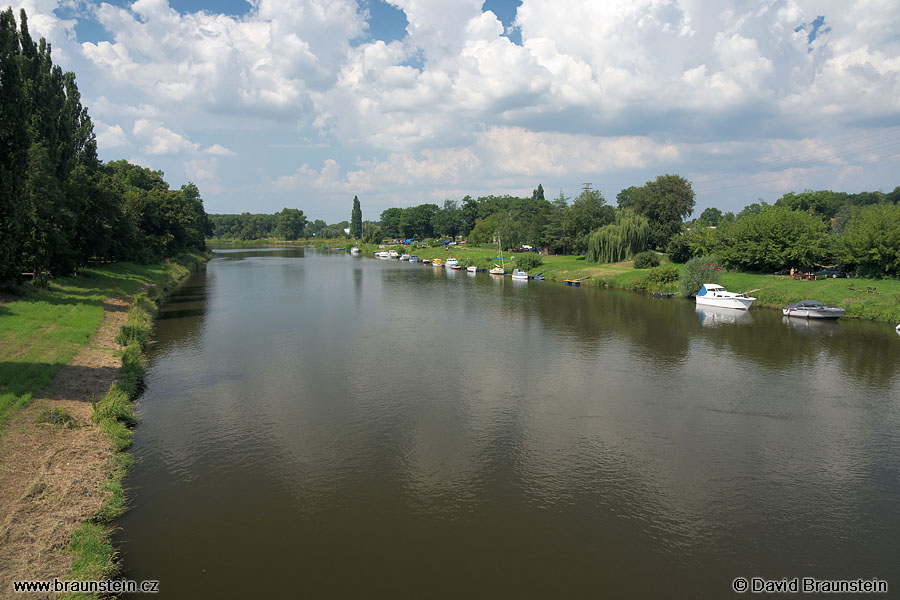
(311, 418)
(711, 316)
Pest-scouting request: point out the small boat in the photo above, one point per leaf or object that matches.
(404, 256)
(393, 254)
(498, 269)
(713, 294)
(437, 262)
(354, 250)
(382, 255)
(426, 261)
(472, 269)
(812, 309)
(575, 282)
(453, 264)
(414, 258)
(519, 274)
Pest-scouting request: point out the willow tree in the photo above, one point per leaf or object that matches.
(618, 241)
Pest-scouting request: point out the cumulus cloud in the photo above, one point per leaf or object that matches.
(110, 136)
(594, 87)
(161, 140)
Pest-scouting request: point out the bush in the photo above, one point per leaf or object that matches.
(529, 261)
(646, 259)
(697, 271)
(679, 250)
(663, 275)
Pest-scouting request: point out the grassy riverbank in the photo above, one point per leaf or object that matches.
(772, 291)
(50, 342)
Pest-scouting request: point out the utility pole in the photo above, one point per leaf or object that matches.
(587, 189)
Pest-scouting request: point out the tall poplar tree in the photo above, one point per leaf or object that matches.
(13, 147)
(356, 229)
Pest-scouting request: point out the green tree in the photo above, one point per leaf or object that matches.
(485, 230)
(356, 228)
(709, 217)
(824, 203)
(447, 221)
(775, 238)
(468, 215)
(13, 149)
(619, 241)
(666, 202)
(587, 213)
(392, 221)
(418, 221)
(871, 240)
(290, 224)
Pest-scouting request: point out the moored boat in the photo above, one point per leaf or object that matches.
(472, 269)
(812, 309)
(404, 256)
(437, 262)
(519, 274)
(354, 250)
(413, 258)
(713, 294)
(382, 255)
(453, 264)
(393, 254)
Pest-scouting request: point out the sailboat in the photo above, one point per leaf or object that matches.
(498, 269)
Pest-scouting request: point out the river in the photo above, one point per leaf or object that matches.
(331, 426)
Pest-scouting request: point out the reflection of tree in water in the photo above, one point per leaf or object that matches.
(659, 328)
(663, 331)
(860, 348)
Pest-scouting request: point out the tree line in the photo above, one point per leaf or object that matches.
(856, 232)
(60, 206)
(859, 232)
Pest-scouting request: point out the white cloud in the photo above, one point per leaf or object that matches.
(110, 136)
(202, 169)
(219, 150)
(619, 86)
(162, 140)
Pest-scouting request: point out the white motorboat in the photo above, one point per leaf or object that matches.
(812, 309)
(414, 258)
(713, 294)
(453, 264)
(382, 255)
(519, 274)
(404, 256)
(472, 269)
(393, 254)
(354, 250)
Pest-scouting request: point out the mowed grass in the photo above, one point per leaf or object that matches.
(42, 332)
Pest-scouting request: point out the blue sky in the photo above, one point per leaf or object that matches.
(308, 103)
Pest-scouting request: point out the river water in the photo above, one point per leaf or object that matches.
(329, 426)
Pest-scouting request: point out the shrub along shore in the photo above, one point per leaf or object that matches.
(43, 331)
(866, 298)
